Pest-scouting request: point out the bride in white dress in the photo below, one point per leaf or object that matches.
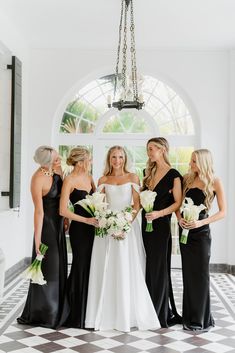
(118, 297)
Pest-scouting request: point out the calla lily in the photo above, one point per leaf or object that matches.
(190, 213)
(94, 204)
(34, 271)
(147, 199)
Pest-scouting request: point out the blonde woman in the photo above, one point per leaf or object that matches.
(44, 304)
(166, 182)
(81, 232)
(118, 297)
(201, 185)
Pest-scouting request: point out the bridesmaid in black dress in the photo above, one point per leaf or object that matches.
(44, 304)
(201, 186)
(75, 187)
(166, 181)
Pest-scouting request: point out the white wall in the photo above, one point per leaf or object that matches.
(13, 225)
(231, 163)
(202, 77)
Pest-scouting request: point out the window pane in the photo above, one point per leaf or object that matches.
(180, 158)
(126, 122)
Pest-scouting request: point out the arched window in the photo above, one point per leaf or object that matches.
(88, 121)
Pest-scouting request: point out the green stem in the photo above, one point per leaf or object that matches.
(149, 227)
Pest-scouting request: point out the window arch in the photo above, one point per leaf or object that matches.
(86, 120)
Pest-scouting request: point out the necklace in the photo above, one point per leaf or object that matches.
(47, 172)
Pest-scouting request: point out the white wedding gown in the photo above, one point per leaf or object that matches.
(118, 297)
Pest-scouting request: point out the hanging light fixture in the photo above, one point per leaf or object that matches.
(127, 85)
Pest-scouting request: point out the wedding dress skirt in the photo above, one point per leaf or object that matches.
(118, 297)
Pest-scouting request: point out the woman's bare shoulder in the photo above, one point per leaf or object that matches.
(102, 180)
(133, 178)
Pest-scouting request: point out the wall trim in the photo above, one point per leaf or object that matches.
(16, 269)
(222, 268)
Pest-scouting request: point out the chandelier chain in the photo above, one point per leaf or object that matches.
(118, 50)
(126, 84)
(124, 52)
(133, 53)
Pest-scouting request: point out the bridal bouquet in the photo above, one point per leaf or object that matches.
(190, 213)
(34, 272)
(94, 204)
(147, 198)
(119, 222)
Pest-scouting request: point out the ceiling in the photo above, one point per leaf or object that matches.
(163, 24)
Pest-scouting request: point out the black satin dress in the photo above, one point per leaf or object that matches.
(81, 239)
(195, 266)
(158, 246)
(45, 303)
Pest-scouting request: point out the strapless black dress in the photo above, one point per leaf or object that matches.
(81, 239)
(195, 266)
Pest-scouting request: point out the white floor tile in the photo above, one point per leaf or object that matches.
(218, 348)
(177, 335)
(39, 330)
(143, 344)
(180, 346)
(70, 342)
(107, 343)
(33, 341)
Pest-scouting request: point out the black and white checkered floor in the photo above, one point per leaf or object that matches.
(27, 339)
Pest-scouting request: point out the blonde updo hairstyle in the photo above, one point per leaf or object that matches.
(204, 162)
(151, 167)
(108, 167)
(77, 154)
(44, 156)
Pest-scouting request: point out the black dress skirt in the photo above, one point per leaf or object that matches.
(158, 253)
(45, 303)
(195, 266)
(81, 239)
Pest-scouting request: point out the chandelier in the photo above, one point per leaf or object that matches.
(127, 85)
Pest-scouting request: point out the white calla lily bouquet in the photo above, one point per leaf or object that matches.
(147, 199)
(190, 213)
(95, 205)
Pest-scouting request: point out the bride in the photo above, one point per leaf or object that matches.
(118, 297)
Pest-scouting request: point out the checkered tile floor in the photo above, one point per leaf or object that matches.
(26, 339)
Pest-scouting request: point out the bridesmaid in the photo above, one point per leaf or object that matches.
(44, 304)
(201, 186)
(75, 187)
(166, 181)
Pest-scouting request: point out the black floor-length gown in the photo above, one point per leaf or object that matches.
(45, 303)
(195, 266)
(158, 253)
(81, 239)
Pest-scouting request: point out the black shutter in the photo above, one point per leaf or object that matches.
(16, 121)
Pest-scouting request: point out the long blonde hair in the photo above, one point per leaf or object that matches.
(151, 167)
(108, 168)
(204, 163)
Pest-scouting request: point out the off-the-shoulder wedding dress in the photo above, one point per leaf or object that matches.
(118, 297)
